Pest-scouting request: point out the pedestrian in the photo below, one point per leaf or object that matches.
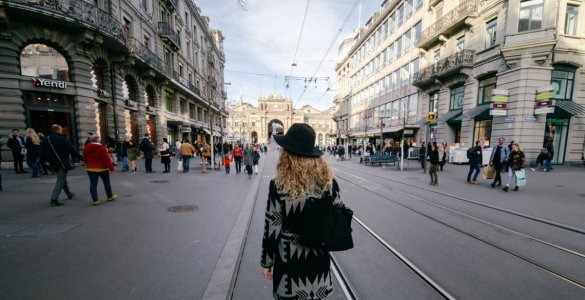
(542, 156)
(248, 160)
(147, 147)
(301, 173)
(98, 165)
(17, 146)
(43, 164)
(165, 155)
(475, 156)
(33, 147)
(434, 160)
(56, 150)
(422, 154)
(515, 163)
(255, 159)
(349, 150)
(187, 151)
(238, 155)
(122, 153)
(226, 163)
(205, 156)
(551, 153)
(443, 154)
(88, 138)
(497, 160)
(111, 146)
(133, 153)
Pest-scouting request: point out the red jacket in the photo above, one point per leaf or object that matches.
(96, 156)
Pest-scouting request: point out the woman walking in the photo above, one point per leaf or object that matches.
(133, 153)
(434, 160)
(238, 155)
(33, 151)
(249, 160)
(301, 173)
(255, 159)
(165, 155)
(515, 163)
(99, 165)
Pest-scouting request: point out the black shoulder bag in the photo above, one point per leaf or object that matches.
(326, 226)
(67, 167)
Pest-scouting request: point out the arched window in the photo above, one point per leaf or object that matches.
(40, 60)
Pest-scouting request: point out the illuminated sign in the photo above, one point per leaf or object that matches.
(41, 82)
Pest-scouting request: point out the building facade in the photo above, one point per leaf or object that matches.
(274, 115)
(117, 68)
(467, 49)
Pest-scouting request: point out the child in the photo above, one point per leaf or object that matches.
(226, 163)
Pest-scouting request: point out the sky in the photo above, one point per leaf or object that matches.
(261, 40)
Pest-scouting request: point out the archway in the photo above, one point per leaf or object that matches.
(254, 137)
(275, 127)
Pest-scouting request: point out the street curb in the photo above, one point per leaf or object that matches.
(223, 279)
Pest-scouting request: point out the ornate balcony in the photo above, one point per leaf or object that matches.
(212, 82)
(137, 49)
(172, 4)
(210, 58)
(79, 11)
(444, 67)
(447, 24)
(170, 36)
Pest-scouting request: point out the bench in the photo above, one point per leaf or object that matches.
(380, 159)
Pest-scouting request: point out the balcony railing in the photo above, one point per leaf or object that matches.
(171, 36)
(443, 66)
(138, 49)
(81, 11)
(455, 16)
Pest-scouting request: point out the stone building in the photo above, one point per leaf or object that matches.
(274, 115)
(116, 68)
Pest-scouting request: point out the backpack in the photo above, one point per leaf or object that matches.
(326, 226)
(471, 153)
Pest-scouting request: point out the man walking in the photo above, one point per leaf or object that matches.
(422, 155)
(499, 154)
(56, 151)
(16, 145)
(474, 154)
(122, 153)
(147, 147)
(187, 150)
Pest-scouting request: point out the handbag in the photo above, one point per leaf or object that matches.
(489, 172)
(66, 166)
(23, 151)
(520, 177)
(326, 226)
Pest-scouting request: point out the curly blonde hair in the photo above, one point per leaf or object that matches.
(299, 176)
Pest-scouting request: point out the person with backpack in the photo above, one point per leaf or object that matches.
(238, 155)
(147, 147)
(474, 154)
(302, 178)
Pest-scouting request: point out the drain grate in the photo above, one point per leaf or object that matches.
(183, 208)
(159, 181)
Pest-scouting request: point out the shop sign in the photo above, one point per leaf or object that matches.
(103, 93)
(544, 103)
(408, 132)
(431, 117)
(544, 95)
(185, 129)
(499, 105)
(41, 82)
(544, 110)
(498, 112)
(549, 88)
(511, 119)
(500, 92)
(497, 98)
(530, 118)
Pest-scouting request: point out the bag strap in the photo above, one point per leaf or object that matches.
(54, 151)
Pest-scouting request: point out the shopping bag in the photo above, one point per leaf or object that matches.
(489, 172)
(179, 166)
(520, 177)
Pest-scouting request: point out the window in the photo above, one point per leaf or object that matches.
(491, 29)
(419, 4)
(486, 86)
(571, 19)
(40, 60)
(182, 106)
(405, 75)
(399, 16)
(483, 130)
(562, 80)
(147, 42)
(416, 32)
(530, 15)
(461, 43)
(412, 105)
(398, 48)
(414, 68)
(407, 9)
(98, 76)
(433, 101)
(169, 102)
(192, 111)
(395, 84)
(406, 38)
(457, 97)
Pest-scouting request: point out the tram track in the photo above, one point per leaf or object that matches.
(549, 269)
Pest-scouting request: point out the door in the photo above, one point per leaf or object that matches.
(41, 121)
(558, 130)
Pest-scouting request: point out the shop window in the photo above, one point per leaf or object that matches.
(571, 17)
(40, 60)
(433, 101)
(530, 17)
(457, 97)
(491, 31)
(483, 131)
(563, 78)
(486, 86)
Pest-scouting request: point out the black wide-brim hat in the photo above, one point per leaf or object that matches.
(299, 139)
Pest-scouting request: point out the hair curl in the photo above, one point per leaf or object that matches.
(299, 176)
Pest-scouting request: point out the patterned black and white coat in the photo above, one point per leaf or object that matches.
(298, 272)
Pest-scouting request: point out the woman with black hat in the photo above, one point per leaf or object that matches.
(301, 173)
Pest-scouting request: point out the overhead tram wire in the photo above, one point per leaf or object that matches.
(331, 45)
(299, 39)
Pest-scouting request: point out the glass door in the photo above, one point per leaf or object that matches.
(558, 130)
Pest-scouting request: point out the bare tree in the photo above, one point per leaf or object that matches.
(243, 4)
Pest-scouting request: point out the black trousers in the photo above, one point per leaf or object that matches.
(18, 162)
(148, 164)
(498, 178)
(238, 161)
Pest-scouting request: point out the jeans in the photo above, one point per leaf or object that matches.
(546, 165)
(473, 167)
(186, 160)
(34, 165)
(498, 177)
(93, 182)
(238, 161)
(510, 176)
(125, 166)
(61, 184)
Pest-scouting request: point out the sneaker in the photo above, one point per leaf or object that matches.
(70, 196)
(475, 182)
(56, 203)
(114, 197)
(505, 189)
(533, 169)
(96, 202)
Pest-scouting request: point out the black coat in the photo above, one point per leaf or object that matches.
(147, 148)
(434, 157)
(476, 155)
(62, 147)
(122, 149)
(14, 145)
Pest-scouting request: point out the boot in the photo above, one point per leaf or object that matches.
(505, 189)
(516, 189)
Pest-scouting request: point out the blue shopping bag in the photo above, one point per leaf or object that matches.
(520, 177)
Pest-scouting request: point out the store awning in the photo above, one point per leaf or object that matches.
(217, 134)
(571, 107)
(207, 131)
(472, 113)
(449, 115)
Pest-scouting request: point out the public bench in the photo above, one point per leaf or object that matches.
(380, 159)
